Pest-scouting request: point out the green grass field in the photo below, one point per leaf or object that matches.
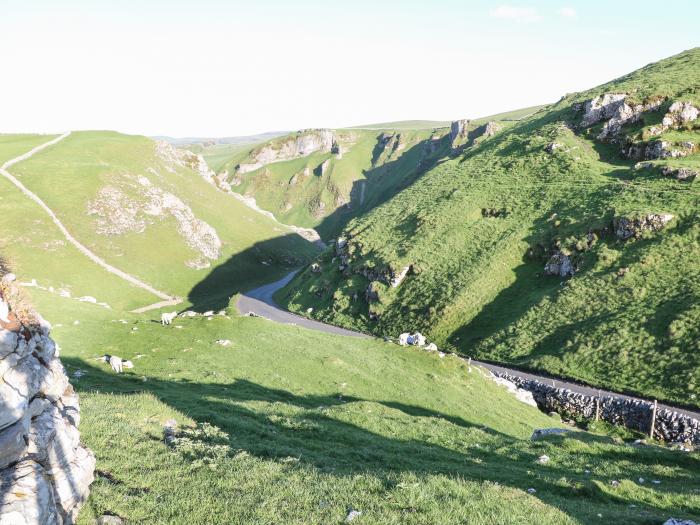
(478, 285)
(312, 425)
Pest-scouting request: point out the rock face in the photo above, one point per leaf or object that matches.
(184, 158)
(680, 114)
(560, 265)
(491, 129)
(45, 472)
(459, 131)
(302, 144)
(629, 412)
(602, 108)
(629, 227)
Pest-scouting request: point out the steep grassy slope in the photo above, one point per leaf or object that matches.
(324, 189)
(142, 209)
(477, 231)
(309, 426)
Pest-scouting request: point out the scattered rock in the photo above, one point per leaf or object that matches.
(629, 227)
(531, 491)
(680, 114)
(682, 174)
(552, 147)
(223, 342)
(559, 265)
(352, 514)
(542, 432)
(675, 521)
(543, 459)
(398, 278)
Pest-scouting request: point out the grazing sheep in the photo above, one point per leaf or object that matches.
(167, 317)
(114, 361)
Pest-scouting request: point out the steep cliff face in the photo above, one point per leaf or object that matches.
(301, 144)
(45, 472)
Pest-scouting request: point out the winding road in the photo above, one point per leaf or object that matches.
(259, 301)
(81, 247)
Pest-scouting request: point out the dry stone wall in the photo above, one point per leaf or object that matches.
(45, 471)
(632, 413)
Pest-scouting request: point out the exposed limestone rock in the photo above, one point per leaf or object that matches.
(680, 173)
(661, 149)
(45, 472)
(399, 277)
(601, 108)
(680, 114)
(118, 212)
(628, 227)
(560, 265)
(323, 167)
(624, 114)
(491, 129)
(520, 394)
(459, 132)
(185, 158)
(247, 168)
(301, 144)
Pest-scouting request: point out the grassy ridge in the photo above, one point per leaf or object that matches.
(312, 425)
(69, 175)
(477, 283)
(12, 146)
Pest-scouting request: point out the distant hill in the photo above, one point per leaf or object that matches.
(568, 241)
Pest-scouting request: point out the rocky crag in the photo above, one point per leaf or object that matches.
(301, 144)
(45, 471)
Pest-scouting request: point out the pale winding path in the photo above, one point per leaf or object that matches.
(260, 302)
(81, 247)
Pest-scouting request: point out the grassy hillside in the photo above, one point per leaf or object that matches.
(288, 425)
(145, 213)
(477, 231)
(12, 146)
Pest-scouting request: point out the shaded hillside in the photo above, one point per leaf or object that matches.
(588, 191)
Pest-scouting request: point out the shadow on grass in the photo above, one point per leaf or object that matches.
(312, 433)
(262, 263)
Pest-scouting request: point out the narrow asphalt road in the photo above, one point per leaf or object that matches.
(260, 302)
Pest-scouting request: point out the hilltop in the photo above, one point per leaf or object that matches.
(566, 242)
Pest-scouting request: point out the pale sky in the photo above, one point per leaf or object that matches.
(214, 68)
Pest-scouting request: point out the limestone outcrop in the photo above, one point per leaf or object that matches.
(301, 144)
(634, 227)
(680, 173)
(45, 471)
(459, 133)
(559, 265)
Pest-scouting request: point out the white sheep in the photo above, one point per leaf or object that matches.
(167, 317)
(114, 361)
